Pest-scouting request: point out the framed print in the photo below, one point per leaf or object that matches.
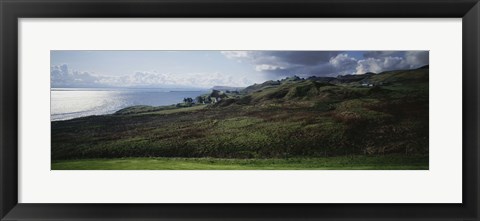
(171, 110)
(290, 100)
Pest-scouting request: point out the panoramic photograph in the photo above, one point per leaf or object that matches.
(239, 110)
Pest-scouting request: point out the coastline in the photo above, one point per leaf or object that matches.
(71, 103)
(342, 120)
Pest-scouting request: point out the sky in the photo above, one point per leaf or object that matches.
(205, 69)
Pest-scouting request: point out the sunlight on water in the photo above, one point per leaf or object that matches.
(72, 103)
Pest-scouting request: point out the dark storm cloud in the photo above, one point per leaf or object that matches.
(417, 57)
(298, 57)
(323, 69)
(329, 63)
(383, 54)
(285, 63)
(332, 65)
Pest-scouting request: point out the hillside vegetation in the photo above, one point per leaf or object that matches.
(371, 115)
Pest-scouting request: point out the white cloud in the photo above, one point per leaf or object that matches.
(236, 54)
(412, 59)
(267, 67)
(204, 80)
(378, 65)
(341, 60)
(369, 65)
(61, 76)
(343, 64)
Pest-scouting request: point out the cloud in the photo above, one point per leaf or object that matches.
(197, 80)
(328, 63)
(378, 62)
(267, 64)
(296, 58)
(383, 54)
(282, 58)
(378, 65)
(285, 63)
(267, 67)
(417, 58)
(235, 54)
(61, 76)
(343, 64)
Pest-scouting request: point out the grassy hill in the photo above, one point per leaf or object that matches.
(371, 115)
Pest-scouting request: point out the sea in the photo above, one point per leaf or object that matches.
(69, 103)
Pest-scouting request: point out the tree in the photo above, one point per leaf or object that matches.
(200, 99)
(208, 99)
(187, 100)
(215, 93)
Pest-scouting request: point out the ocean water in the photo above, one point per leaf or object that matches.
(68, 103)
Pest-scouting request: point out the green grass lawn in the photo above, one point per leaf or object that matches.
(395, 162)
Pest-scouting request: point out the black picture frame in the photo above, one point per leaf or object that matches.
(12, 10)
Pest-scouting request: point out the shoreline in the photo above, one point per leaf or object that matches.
(157, 99)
